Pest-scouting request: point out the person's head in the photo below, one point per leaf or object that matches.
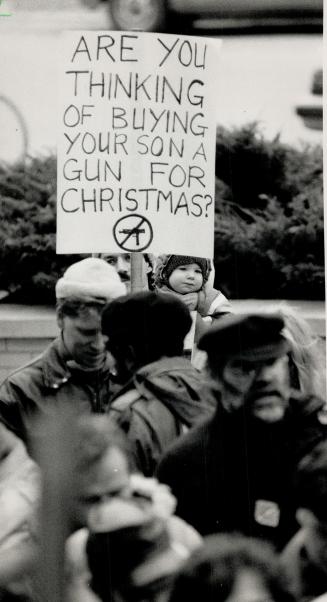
(102, 466)
(247, 360)
(311, 500)
(137, 523)
(182, 274)
(231, 568)
(144, 327)
(82, 294)
(135, 556)
(130, 552)
(122, 264)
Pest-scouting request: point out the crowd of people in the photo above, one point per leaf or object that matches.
(132, 472)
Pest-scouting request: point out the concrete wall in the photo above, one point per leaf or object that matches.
(17, 352)
(26, 331)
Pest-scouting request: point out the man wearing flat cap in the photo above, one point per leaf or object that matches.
(75, 370)
(234, 472)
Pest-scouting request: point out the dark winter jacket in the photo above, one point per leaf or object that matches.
(47, 383)
(162, 401)
(234, 472)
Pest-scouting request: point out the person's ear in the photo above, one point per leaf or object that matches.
(305, 517)
(125, 359)
(130, 359)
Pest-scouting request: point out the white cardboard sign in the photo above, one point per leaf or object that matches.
(136, 148)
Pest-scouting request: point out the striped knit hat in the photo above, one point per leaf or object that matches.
(166, 264)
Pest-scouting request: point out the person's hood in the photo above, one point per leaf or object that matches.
(179, 386)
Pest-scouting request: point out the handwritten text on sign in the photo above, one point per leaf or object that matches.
(136, 152)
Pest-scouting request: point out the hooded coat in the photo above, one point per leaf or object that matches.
(161, 401)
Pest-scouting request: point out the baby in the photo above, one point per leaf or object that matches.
(187, 277)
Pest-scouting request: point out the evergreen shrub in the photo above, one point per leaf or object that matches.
(269, 236)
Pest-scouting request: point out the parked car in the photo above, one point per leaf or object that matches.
(229, 16)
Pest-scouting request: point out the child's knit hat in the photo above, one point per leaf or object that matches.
(166, 264)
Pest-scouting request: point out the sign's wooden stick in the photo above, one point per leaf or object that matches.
(136, 272)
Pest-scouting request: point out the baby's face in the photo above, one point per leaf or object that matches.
(186, 279)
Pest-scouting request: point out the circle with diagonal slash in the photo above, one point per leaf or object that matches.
(133, 233)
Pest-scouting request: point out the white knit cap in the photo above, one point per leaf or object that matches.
(90, 279)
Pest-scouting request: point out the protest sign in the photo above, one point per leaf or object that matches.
(136, 150)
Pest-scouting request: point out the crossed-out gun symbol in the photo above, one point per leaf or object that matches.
(133, 232)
